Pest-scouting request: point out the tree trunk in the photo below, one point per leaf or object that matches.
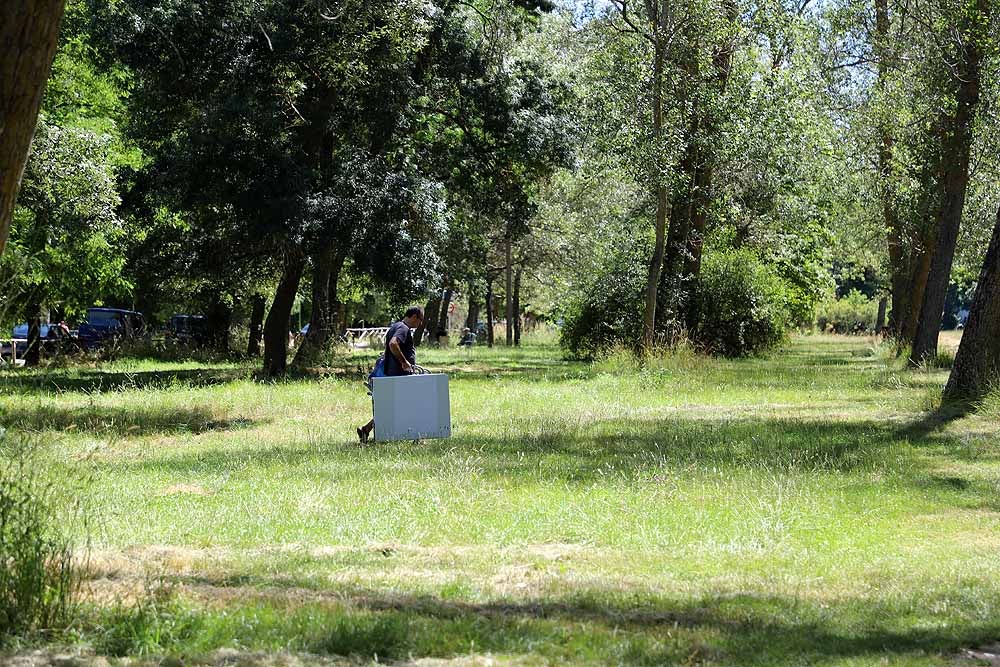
(276, 325)
(509, 293)
(670, 297)
(489, 313)
(977, 364)
(327, 265)
(517, 306)
(33, 354)
(660, 221)
(472, 318)
(336, 305)
(29, 34)
(441, 327)
(256, 324)
(954, 180)
(220, 317)
(908, 289)
(430, 321)
(908, 264)
(722, 64)
(883, 305)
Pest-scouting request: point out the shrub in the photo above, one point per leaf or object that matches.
(607, 312)
(853, 314)
(740, 305)
(37, 578)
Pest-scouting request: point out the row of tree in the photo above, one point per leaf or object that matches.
(511, 147)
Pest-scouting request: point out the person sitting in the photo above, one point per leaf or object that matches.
(468, 338)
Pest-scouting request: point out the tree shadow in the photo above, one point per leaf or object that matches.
(124, 421)
(571, 452)
(605, 626)
(97, 381)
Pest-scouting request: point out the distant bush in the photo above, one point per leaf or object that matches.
(740, 306)
(852, 314)
(607, 312)
(37, 578)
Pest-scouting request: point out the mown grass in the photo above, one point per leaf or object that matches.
(813, 507)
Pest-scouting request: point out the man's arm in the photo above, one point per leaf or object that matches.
(398, 353)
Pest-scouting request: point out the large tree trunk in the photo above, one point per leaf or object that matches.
(472, 318)
(489, 313)
(29, 34)
(977, 365)
(883, 304)
(908, 289)
(509, 293)
(954, 180)
(327, 265)
(441, 326)
(430, 321)
(276, 325)
(220, 317)
(256, 324)
(517, 306)
(670, 296)
(660, 220)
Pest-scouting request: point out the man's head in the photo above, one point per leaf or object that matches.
(414, 316)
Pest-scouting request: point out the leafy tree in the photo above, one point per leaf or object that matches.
(65, 245)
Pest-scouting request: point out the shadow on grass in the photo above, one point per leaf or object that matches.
(126, 421)
(600, 627)
(95, 381)
(569, 451)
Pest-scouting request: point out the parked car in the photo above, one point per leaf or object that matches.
(188, 329)
(54, 337)
(111, 324)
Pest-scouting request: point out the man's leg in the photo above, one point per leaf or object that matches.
(365, 431)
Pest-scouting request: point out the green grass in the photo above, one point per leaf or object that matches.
(813, 507)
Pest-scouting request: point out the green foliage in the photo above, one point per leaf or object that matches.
(156, 623)
(37, 578)
(67, 245)
(606, 311)
(852, 314)
(740, 305)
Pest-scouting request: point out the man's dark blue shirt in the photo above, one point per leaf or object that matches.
(401, 332)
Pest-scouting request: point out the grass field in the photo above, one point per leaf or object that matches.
(813, 507)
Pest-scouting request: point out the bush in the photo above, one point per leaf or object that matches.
(740, 305)
(853, 314)
(607, 312)
(37, 578)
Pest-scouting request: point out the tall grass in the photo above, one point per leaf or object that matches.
(37, 579)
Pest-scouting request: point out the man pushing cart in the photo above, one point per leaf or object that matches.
(417, 407)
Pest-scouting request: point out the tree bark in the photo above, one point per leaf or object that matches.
(429, 324)
(29, 34)
(327, 265)
(883, 304)
(954, 180)
(276, 325)
(441, 326)
(220, 317)
(489, 313)
(33, 354)
(517, 307)
(977, 364)
(509, 292)
(256, 324)
(660, 220)
(472, 318)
